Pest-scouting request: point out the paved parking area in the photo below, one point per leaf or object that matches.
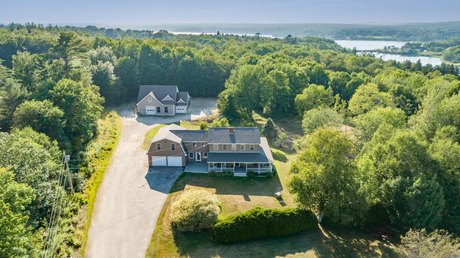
(131, 196)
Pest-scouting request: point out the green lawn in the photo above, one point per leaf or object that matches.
(149, 136)
(241, 194)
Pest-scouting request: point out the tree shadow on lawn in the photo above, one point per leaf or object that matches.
(326, 243)
(244, 186)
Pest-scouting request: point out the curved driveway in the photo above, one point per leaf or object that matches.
(131, 197)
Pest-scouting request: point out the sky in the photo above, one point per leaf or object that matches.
(145, 12)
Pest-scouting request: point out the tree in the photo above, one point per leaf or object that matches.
(35, 161)
(25, 66)
(126, 69)
(82, 107)
(68, 45)
(195, 210)
(445, 149)
(399, 174)
(324, 178)
(420, 243)
(42, 116)
(368, 97)
(312, 97)
(320, 117)
(11, 95)
(14, 232)
(369, 122)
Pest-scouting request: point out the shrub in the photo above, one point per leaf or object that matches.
(195, 210)
(220, 174)
(262, 223)
(251, 173)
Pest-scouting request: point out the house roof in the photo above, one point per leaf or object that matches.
(192, 135)
(184, 96)
(234, 135)
(160, 92)
(264, 155)
(165, 133)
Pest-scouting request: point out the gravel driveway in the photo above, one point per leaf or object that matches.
(131, 197)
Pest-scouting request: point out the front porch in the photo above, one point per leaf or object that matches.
(240, 167)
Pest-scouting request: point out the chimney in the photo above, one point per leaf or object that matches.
(230, 130)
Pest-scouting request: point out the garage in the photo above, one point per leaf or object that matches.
(150, 110)
(181, 109)
(170, 161)
(174, 161)
(159, 161)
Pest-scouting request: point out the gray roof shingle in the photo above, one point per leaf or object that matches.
(184, 96)
(234, 135)
(160, 92)
(192, 135)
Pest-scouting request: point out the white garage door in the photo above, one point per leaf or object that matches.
(181, 109)
(158, 161)
(174, 161)
(150, 110)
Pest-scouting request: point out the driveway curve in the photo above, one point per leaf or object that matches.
(131, 197)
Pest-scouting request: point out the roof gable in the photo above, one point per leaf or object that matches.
(160, 92)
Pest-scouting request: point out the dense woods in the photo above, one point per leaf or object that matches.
(397, 164)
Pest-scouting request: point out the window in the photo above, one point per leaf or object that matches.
(173, 146)
(205, 154)
(190, 155)
(158, 146)
(215, 146)
(166, 109)
(241, 146)
(224, 147)
(158, 110)
(233, 146)
(251, 147)
(194, 144)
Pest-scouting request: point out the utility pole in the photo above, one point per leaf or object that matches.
(66, 161)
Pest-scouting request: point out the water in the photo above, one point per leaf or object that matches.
(369, 45)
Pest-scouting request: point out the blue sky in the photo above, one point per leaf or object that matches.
(145, 12)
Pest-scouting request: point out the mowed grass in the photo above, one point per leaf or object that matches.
(241, 194)
(149, 136)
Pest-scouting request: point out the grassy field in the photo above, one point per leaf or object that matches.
(241, 194)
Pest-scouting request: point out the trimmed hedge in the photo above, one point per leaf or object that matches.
(262, 223)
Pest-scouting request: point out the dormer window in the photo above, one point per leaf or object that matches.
(167, 98)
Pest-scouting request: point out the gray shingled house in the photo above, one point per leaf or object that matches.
(235, 149)
(162, 100)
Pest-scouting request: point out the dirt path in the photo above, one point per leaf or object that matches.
(130, 197)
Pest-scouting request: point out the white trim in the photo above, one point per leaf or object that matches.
(181, 101)
(148, 95)
(167, 98)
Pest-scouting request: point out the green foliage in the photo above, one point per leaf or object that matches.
(218, 174)
(41, 116)
(398, 173)
(324, 178)
(320, 117)
(262, 223)
(195, 210)
(313, 96)
(82, 108)
(17, 240)
(368, 97)
(452, 54)
(203, 125)
(369, 122)
(36, 162)
(420, 243)
(220, 122)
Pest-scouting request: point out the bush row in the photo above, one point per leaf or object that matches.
(261, 223)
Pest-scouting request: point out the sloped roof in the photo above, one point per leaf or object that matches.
(160, 92)
(234, 135)
(184, 96)
(192, 135)
(165, 133)
(264, 155)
